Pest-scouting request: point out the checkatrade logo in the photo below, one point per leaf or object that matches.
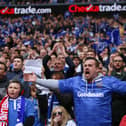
(97, 8)
(81, 9)
(25, 10)
(7, 10)
(111, 8)
(32, 10)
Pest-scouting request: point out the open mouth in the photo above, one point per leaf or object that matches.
(118, 65)
(11, 93)
(87, 72)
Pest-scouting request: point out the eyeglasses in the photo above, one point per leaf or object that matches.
(118, 60)
(57, 113)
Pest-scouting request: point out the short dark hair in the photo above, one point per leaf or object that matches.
(93, 58)
(19, 57)
(76, 57)
(5, 67)
(59, 74)
(91, 50)
(15, 81)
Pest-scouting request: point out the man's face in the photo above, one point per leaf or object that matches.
(76, 61)
(2, 70)
(90, 69)
(43, 53)
(61, 57)
(90, 54)
(59, 65)
(118, 63)
(17, 64)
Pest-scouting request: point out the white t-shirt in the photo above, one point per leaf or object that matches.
(71, 123)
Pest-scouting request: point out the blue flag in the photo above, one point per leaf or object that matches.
(115, 36)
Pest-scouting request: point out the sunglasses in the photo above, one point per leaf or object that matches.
(57, 113)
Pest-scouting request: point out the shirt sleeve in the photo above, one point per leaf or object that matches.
(67, 85)
(117, 85)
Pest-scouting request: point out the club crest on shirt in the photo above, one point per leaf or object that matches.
(99, 82)
(99, 85)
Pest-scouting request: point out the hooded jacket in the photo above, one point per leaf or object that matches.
(92, 102)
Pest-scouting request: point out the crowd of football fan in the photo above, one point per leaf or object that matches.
(62, 42)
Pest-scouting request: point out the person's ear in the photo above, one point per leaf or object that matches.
(123, 64)
(97, 69)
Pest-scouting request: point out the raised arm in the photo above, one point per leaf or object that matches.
(49, 83)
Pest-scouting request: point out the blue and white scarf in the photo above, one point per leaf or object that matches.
(20, 110)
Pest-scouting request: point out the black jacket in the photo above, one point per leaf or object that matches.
(69, 73)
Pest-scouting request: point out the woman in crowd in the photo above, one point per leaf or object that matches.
(15, 110)
(60, 117)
